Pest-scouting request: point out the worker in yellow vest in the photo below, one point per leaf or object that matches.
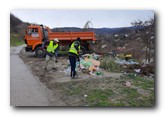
(73, 55)
(52, 52)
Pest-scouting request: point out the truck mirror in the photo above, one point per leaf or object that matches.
(26, 31)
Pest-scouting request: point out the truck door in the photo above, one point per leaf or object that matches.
(33, 36)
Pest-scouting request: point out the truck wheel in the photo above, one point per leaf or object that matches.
(39, 52)
(82, 50)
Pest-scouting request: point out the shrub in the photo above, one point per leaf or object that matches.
(109, 64)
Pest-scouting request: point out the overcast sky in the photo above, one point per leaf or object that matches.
(78, 18)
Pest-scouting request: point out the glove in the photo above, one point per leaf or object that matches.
(78, 59)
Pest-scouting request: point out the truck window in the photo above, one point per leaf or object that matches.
(33, 32)
(46, 34)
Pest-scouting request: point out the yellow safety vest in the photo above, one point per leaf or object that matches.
(73, 49)
(51, 48)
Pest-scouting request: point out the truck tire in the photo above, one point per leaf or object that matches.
(39, 52)
(82, 50)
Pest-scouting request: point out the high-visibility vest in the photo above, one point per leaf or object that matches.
(73, 49)
(51, 47)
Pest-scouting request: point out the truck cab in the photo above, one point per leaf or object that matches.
(34, 37)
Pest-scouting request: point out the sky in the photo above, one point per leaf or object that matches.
(77, 18)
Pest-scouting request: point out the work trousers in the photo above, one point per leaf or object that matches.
(48, 59)
(72, 60)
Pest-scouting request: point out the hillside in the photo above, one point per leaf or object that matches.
(17, 28)
(98, 31)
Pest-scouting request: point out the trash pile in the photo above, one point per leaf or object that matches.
(124, 62)
(131, 66)
(89, 63)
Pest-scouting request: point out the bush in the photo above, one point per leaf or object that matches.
(109, 64)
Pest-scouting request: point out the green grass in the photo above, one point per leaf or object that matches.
(131, 93)
(143, 83)
(109, 92)
(99, 97)
(130, 96)
(63, 52)
(74, 91)
(15, 40)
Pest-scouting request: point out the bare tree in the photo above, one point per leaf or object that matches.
(146, 31)
(87, 25)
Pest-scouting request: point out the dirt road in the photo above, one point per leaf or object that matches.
(25, 89)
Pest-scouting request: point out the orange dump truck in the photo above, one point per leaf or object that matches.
(36, 34)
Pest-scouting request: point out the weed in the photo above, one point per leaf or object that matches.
(15, 40)
(109, 64)
(99, 97)
(143, 82)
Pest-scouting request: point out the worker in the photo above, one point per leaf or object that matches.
(73, 55)
(52, 52)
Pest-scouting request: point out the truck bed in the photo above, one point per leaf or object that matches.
(71, 36)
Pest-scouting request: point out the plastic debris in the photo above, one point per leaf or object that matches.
(85, 95)
(98, 73)
(129, 62)
(88, 64)
(94, 62)
(127, 84)
(103, 46)
(91, 56)
(96, 56)
(137, 70)
(91, 73)
(92, 68)
(67, 71)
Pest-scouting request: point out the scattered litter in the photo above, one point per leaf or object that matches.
(96, 56)
(93, 56)
(151, 75)
(137, 70)
(67, 71)
(127, 84)
(124, 62)
(125, 73)
(98, 73)
(92, 68)
(89, 63)
(103, 46)
(85, 95)
(94, 62)
(91, 73)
